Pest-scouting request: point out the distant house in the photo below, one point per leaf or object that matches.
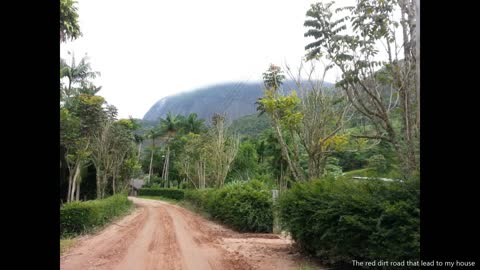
(135, 185)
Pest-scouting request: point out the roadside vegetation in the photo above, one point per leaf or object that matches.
(343, 159)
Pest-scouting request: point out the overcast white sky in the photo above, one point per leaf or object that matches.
(149, 49)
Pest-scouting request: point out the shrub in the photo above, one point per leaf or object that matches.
(199, 197)
(79, 217)
(342, 220)
(171, 193)
(332, 168)
(378, 163)
(245, 206)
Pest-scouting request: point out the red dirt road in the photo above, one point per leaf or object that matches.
(162, 236)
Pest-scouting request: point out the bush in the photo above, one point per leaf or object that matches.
(342, 220)
(79, 217)
(171, 193)
(378, 163)
(199, 197)
(245, 206)
(332, 168)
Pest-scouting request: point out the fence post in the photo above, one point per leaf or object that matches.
(276, 227)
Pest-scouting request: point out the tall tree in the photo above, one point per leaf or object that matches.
(223, 149)
(169, 127)
(69, 27)
(376, 87)
(325, 112)
(124, 143)
(280, 107)
(152, 134)
(78, 122)
(191, 123)
(192, 160)
(79, 78)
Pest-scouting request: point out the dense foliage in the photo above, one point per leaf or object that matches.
(170, 193)
(341, 220)
(245, 206)
(308, 139)
(79, 217)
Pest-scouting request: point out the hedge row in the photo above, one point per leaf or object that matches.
(79, 217)
(342, 220)
(245, 206)
(170, 193)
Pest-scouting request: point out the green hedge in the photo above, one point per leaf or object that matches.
(342, 220)
(245, 206)
(78, 217)
(177, 194)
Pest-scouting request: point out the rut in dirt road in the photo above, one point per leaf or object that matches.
(159, 235)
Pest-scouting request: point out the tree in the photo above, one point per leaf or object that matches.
(78, 76)
(110, 148)
(78, 123)
(223, 149)
(152, 134)
(245, 166)
(375, 88)
(168, 126)
(124, 148)
(74, 145)
(281, 109)
(191, 123)
(192, 160)
(325, 112)
(69, 27)
(271, 158)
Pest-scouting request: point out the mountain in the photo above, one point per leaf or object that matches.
(250, 125)
(235, 99)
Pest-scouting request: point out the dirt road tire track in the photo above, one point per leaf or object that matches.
(162, 236)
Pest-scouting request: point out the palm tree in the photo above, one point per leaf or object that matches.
(169, 127)
(191, 123)
(152, 134)
(78, 76)
(69, 27)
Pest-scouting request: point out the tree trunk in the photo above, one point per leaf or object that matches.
(74, 182)
(70, 180)
(104, 185)
(99, 183)
(283, 146)
(139, 150)
(311, 168)
(165, 166)
(417, 56)
(406, 89)
(113, 182)
(203, 173)
(78, 191)
(151, 162)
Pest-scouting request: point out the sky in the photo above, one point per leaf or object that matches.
(149, 49)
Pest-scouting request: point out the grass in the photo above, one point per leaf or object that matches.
(366, 172)
(65, 244)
